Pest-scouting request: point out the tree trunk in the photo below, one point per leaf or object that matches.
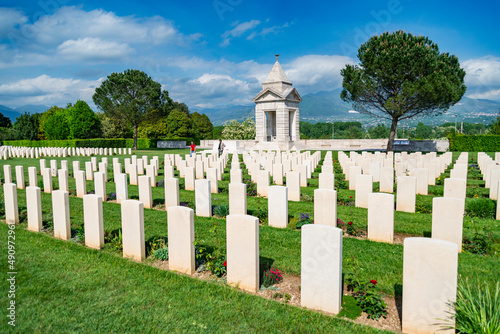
(392, 134)
(135, 136)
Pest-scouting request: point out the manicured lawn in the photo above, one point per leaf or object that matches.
(106, 292)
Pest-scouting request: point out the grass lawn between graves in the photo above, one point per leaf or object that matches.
(63, 286)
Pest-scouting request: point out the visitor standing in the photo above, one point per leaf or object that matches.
(221, 147)
(193, 149)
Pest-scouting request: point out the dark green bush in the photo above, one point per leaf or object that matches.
(480, 207)
(477, 143)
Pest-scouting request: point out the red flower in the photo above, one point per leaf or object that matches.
(373, 282)
(225, 264)
(350, 223)
(350, 196)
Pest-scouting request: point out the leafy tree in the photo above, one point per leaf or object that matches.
(401, 76)
(4, 121)
(203, 128)
(179, 124)
(423, 131)
(117, 128)
(54, 124)
(236, 130)
(217, 133)
(83, 122)
(495, 126)
(155, 129)
(26, 127)
(130, 96)
(378, 132)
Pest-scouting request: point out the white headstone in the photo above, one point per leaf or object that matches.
(181, 256)
(325, 207)
(93, 221)
(381, 217)
(133, 229)
(278, 206)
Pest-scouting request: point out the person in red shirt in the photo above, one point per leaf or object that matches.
(193, 149)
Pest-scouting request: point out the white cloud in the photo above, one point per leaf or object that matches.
(482, 71)
(317, 72)
(493, 94)
(72, 23)
(268, 30)
(47, 91)
(10, 18)
(238, 31)
(93, 49)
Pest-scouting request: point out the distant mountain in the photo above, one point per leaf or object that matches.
(31, 109)
(219, 115)
(9, 112)
(327, 106)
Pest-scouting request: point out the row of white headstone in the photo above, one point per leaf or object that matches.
(429, 267)
(7, 152)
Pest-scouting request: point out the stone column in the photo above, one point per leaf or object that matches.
(93, 221)
(325, 207)
(100, 185)
(278, 206)
(235, 176)
(243, 252)
(121, 187)
(181, 256)
(448, 219)
(381, 217)
(34, 208)
(32, 177)
(406, 193)
(47, 180)
(171, 192)
(293, 185)
(145, 194)
(133, 229)
(11, 207)
(63, 179)
(20, 177)
(321, 268)
(60, 214)
(429, 284)
(81, 183)
(237, 198)
(262, 183)
(203, 198)
(364, 187)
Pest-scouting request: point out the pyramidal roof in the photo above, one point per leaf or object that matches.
(277, 74)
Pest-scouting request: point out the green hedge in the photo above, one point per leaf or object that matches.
(478, 143)
(142, 143)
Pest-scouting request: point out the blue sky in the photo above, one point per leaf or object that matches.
(217, 52)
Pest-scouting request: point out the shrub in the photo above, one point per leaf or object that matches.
(476, 309)
(271, 276)
(477, 143)
(221, 210)
(480, 207)
(251, 186)
(304, 220)
(161, 254)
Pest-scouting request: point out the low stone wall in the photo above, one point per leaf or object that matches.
(339, 145)
(171, 144)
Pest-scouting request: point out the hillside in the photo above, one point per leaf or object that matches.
(326, 106)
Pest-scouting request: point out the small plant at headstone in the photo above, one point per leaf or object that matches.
(47, 221)
(114, 238)
(221, 210)
(40, 185)
(161, 254)
(251, 186)
(344, 198)
(306, 198)
(187, 204)
(283, 296)
(340, 182)
(91, 192)
(216, 260)
(480, 207)
(304, 219)
(366, 293)
(476, 309)
(112, 197)
(156, 243)
(261, 212)
(478, 243)
(271, 276)
(351, 230)
(350, 308)
(160, 183)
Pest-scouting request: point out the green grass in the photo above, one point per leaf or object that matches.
(281, 247)
(65, 287)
